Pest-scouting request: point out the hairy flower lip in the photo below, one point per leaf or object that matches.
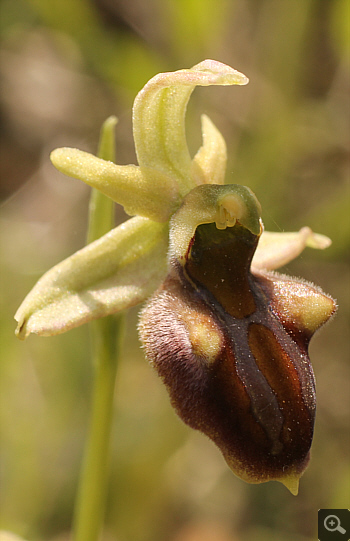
(189, 389)
(242, 378)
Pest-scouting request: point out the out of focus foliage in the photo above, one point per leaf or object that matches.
(65, 66)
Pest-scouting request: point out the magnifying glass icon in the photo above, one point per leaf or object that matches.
(332, 524)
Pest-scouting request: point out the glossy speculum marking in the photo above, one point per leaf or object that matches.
(259, 356)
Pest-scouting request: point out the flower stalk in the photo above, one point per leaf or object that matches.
(106, 338)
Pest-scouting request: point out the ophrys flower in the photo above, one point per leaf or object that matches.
(228, 338)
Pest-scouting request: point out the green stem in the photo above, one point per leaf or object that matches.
(106, 338)
(101, 210)
(92, 490)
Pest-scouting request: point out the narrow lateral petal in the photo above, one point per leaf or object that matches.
(115, 272)
(209, 164)
(147, 193)
(277, 249)
(159, 117)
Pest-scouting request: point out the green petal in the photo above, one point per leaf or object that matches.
(159, 118)
(148, 193)
(115, 272)
(209, 164)
(277, 249)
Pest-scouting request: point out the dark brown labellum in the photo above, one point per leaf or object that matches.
(232, 356)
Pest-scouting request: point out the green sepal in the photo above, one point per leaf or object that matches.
(159, 118)
(115, 272)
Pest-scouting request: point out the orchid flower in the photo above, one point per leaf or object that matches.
(228, 337)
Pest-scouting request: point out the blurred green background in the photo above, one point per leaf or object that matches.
(65, 66)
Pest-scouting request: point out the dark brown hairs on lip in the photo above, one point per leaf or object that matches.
(231, 347)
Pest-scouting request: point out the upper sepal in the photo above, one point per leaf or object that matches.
(159, 119)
